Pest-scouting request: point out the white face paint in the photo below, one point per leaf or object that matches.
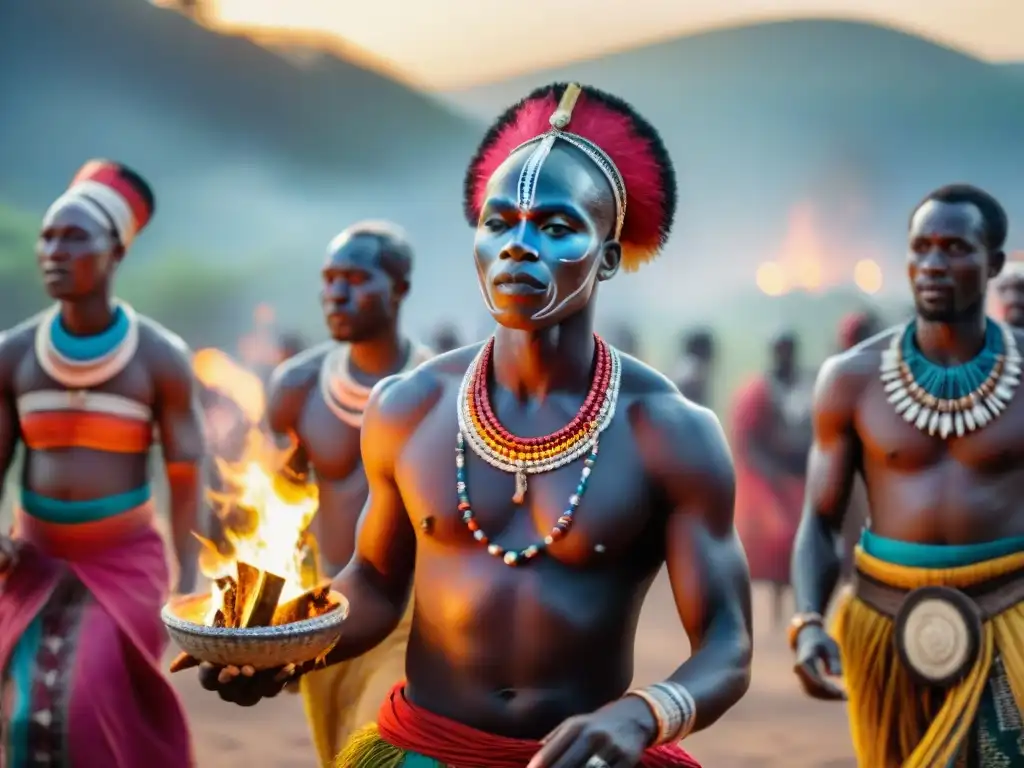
(556, 304)
(538, 224)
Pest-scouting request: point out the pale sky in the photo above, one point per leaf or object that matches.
(452, 43)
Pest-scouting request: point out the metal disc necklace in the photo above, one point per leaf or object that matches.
(523, 456)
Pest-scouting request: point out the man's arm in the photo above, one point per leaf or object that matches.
(831, 469)
(10, 429)
(378, 579)
(285, 398)
(180, 421)
(10, 432)
(688, 457)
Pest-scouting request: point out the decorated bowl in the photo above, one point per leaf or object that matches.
(258, 647)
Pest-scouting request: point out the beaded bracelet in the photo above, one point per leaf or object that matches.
(673, 707)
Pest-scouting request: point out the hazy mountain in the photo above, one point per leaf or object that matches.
(248, 150)
(1016, 67)
(852, 120)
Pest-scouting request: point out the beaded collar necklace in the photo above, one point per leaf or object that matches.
(345, 396)
(80, 362)
(956, 399)
(523, 456)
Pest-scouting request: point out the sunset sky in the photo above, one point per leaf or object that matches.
(451, 43)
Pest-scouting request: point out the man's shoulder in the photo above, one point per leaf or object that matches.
(20, 337)
(847, 373)
(300, 372)
(158, 338)
(657, 404)
(405, 398)
(16, 342)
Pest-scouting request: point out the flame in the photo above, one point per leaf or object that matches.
(265, 517)
(804, 260)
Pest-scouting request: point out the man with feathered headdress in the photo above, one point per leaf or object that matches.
(527, 555)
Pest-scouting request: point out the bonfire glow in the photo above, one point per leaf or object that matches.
(771, 278)
(868, 276)
(264, 516)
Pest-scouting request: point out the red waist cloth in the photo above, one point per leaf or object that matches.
(409, 727)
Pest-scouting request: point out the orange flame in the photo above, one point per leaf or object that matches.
(265, 517)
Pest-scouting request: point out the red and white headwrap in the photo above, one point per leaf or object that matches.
(111, 194)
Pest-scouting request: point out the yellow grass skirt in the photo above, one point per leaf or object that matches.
(343, 698)
(894, 721)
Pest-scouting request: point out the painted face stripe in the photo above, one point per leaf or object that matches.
(531, 172)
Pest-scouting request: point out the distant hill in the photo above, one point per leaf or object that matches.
(857, 120)
(248, 151)
(1015, 67)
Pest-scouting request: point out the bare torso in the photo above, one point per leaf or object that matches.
(517, 650)
(924, 489)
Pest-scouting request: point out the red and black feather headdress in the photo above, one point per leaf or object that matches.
(623, 145)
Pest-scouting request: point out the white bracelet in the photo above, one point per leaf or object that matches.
(673, 707)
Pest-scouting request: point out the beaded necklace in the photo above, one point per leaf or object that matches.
(80, 362)
(345, 396)
(480, 429)
(956, 399)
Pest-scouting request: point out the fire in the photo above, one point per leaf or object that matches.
(265, 517)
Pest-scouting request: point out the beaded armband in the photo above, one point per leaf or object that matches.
(674, 710)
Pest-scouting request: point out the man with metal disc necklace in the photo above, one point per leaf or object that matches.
(315, 407)
(87, 387)
(532, 555)
(928, 414)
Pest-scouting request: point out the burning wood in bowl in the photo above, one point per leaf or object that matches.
(265, 572)
(253, 599)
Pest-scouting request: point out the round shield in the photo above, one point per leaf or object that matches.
(938, 635)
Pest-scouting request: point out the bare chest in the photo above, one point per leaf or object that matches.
(612, 518)
(890, 442)
(331, 444)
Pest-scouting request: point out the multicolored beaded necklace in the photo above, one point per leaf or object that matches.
(523, 456)
(80, 362)
(962, 398)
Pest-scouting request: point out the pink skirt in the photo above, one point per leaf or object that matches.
(81, 643)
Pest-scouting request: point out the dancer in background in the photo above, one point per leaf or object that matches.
(446, 338)
(1009, 292)
(315, 406)
(627, 340)
(771, 434)
(289, 345)
(259, 349)
(84, 386)
(929, 414)
(693, 371)
(528, 558)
